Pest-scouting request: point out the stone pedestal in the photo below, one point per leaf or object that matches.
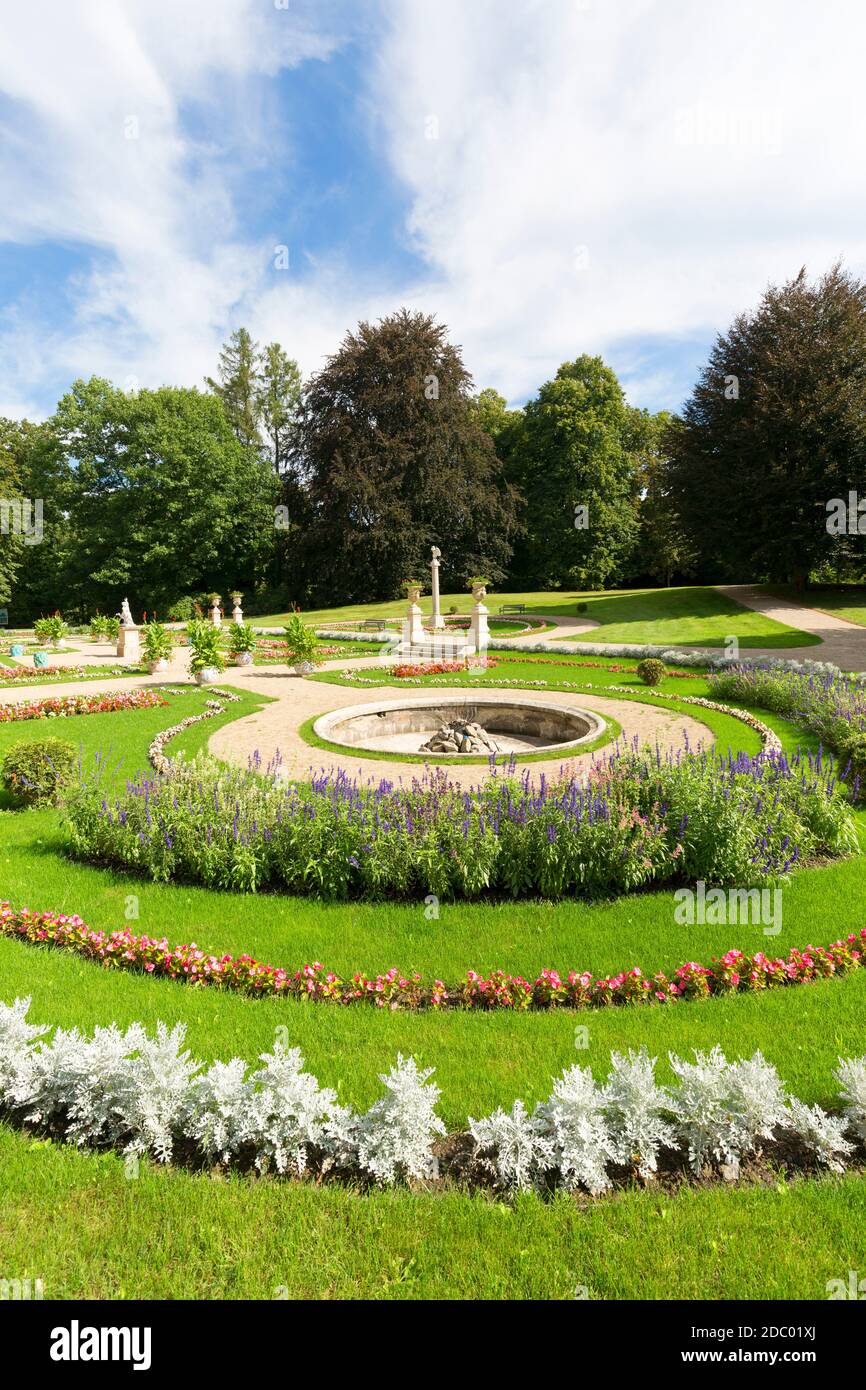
(129, 644)
(216, 616)
(416, 624)
(479, 633)
(237, 614)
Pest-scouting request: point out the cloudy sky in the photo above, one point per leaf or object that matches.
(548, 177)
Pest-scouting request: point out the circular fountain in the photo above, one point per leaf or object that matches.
(514, 725)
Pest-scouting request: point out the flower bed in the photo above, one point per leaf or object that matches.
(147, 1095)
(62, 706)
(413, 670)
(638, 819)
(734, 972)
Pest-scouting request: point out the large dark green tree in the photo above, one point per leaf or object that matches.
(163, 499)
(577, 450)
(775, 429)
(395, 461)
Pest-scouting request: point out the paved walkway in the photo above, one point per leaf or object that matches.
(275, 726)
(842, 642)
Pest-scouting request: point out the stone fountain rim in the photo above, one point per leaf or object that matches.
(323, 728)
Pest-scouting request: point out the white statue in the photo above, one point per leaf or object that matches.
(126, 615)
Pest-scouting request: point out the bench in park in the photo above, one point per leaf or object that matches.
(512, 607)
(375, 623)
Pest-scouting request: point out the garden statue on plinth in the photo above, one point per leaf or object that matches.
(237, 611)
(216, 616)
(128, 638)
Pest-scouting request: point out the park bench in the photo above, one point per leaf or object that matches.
(376, 624)
(512, 607)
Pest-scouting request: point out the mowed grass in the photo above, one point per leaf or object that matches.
(172, 1234)
(691, 615)
(684, 617)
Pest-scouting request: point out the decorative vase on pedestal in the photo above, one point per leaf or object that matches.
(243, 658)
(208, 675)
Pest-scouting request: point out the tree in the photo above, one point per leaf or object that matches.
(239, 386)
(664, 546)
(11, 492)
(775, 429)
(396, 461)
(278, 401)
(575, 463)
(44, 478)
(165, 500)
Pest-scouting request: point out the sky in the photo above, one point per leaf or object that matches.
(546, 177)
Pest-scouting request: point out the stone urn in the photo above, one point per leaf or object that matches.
(243, 658)
(159, 665)
(208, 675)
(413, 592)
(479, 592)
(237, 611)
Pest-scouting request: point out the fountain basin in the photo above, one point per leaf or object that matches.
(517, 725)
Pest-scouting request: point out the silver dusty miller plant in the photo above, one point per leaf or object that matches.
(636, 1107)
(851, 1077)
(722, 1108)
(513, 1146)
(147, 1094)
(394, 1137)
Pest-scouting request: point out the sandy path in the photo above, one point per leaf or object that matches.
(842, 642)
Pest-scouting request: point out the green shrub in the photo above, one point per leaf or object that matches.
(651, 670)
(39, 771)
(158, 645)
(182, 610)
(242, 638)
(98, 627)
(204, 641)
(582, 607)
(300, 641)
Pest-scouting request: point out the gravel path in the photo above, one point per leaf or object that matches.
(842, 642)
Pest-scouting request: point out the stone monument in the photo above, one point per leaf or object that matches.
(437, 622)
(237, 611)
(128, 638)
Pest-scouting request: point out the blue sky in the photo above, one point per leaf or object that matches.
(548, 177)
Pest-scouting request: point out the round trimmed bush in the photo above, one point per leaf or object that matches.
(38, 772)
(651, 670)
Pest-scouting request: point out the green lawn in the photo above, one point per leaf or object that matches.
(685, 617)
(171, 1234)
(176, 1234)
(689, 616)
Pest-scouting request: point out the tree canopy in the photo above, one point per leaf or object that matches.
(395, 460)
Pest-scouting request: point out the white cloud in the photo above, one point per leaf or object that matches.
(694, 151)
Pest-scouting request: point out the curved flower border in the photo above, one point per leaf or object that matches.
(62, 706)
(733, 973)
